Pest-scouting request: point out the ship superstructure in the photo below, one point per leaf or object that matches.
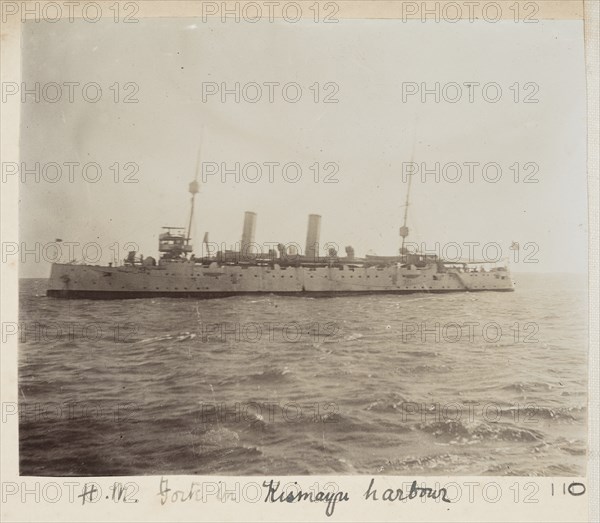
(246, 270)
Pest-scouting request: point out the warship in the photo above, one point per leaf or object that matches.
(178, 273)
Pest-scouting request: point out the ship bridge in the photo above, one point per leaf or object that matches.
(174, 243)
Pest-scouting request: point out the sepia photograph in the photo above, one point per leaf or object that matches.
(281, 242)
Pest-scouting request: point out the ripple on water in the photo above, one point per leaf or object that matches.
(350, 395)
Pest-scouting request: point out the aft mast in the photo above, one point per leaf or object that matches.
(404, 229)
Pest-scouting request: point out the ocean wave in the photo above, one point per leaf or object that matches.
(532, 413)
(387, 393)
(465, 433)
(220, 437)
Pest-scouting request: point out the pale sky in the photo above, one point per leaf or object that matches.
(369, 133)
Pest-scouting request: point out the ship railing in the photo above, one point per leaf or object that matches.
(476, 265)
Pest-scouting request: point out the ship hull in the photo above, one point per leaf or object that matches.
(183, 279)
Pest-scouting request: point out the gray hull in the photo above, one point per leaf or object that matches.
(185, 279)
